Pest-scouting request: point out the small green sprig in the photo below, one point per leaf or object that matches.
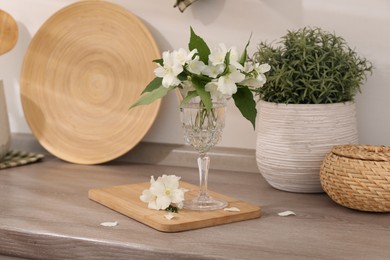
(172, 208)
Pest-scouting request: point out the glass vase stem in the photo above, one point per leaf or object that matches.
(203, 164)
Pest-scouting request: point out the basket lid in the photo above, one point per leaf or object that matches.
(363, 152)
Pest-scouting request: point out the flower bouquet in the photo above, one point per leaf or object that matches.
(216, 74)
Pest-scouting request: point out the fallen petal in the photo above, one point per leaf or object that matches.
(169, 216)
(232, 209)
(109, 224)
(286, 213)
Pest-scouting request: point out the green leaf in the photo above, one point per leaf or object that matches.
(149, 97)
(159, 61)
(172, 209)
(189, 96)
(244, 101)
(183, 76)
(227, 59)
(154, 84)
(226, 62)
(198, 43)
(202, 93)
(245, 53)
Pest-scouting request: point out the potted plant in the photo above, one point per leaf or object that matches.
(307, 105)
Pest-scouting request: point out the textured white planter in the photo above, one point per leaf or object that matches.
(293, 140)
(4, 124)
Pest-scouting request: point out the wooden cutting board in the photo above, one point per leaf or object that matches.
(125, 199)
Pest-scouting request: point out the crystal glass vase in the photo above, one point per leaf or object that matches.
(203, 130)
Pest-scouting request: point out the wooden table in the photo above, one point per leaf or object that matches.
(45, 213)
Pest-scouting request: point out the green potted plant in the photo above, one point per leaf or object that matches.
(307, 105)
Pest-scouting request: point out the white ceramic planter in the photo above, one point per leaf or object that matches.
(293, 140)
(4, 124)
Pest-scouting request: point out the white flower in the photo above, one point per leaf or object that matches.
(180, 205)
(261, 78)
(163, 192)
(186, 86)
(169, 71)
(257, 82)
(248, 67)
(196, 66)
(212, 87)
(213, 71)
(227, 83)
(148, 197)
(234, 58)
(252, 83)
(263, 68)
(255, 72)
(181, 56)
(217, 55)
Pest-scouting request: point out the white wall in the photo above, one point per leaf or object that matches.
(364, 24)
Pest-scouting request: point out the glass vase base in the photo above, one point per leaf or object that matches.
(207, 203)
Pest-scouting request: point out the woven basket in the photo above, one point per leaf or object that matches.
(358, 177)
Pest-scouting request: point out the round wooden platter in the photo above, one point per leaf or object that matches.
(8, 32)
(83, 69)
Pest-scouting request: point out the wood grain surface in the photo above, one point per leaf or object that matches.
(9, 32)
(45, 213)
(125, 199)
(82, 70)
